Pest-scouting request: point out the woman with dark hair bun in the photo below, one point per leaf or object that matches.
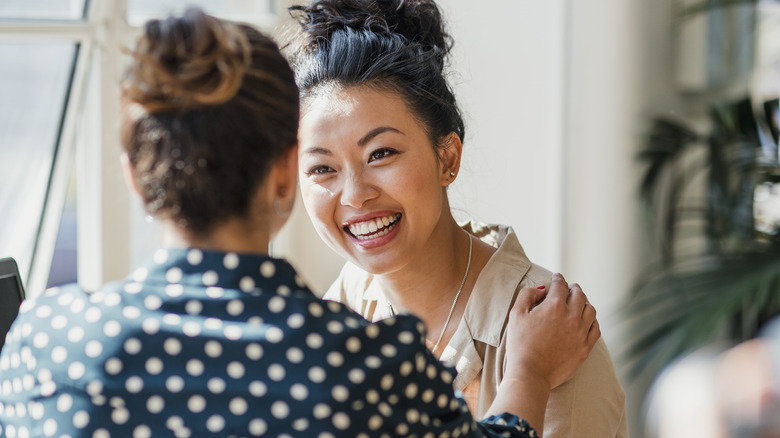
(212, 337)
(380, 141)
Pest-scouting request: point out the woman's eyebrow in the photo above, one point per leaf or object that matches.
(316, 150)
(376, 131)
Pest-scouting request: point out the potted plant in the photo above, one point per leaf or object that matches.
(728, 285)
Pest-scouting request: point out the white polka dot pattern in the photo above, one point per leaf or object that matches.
(202, 343)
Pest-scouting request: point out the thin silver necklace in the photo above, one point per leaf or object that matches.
(454, 302)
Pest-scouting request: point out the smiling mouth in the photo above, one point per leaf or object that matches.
(373, 228)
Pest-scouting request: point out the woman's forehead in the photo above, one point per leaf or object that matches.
(357, 108)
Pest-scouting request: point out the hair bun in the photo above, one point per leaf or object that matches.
(184, 62)
(419, 21)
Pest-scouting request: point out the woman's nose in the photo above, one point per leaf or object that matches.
(357, 191)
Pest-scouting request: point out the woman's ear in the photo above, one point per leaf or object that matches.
(129, 174)
(286, 173)
(450, 150)
(282, 182)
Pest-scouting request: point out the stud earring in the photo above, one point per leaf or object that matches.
(452, 174)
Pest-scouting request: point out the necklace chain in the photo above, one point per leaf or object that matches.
(455, 301)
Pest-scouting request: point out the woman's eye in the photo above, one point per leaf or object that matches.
(381, 153)
(319, 170)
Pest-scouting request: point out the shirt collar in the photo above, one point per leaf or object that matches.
(491, 299)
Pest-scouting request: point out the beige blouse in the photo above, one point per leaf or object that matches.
(591, 404)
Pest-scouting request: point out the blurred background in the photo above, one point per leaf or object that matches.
(632, 145)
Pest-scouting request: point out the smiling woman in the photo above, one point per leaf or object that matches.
(372, 150)
(380, 142)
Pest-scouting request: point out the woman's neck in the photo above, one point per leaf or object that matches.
(428, 284)
(234, 235)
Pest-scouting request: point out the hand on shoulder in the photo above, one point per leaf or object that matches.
(550, 333)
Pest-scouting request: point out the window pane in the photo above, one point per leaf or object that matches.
(63, 263)
(42, 9)
(34, 81)
(258, 12)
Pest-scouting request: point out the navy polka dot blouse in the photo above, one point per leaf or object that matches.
(199, 343)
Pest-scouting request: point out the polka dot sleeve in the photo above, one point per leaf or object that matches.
(414, 396)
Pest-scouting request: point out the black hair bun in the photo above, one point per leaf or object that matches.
(419, 21)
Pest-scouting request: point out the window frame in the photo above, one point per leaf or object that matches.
(81, 34)
(108, 230)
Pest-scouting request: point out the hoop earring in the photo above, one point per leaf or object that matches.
(284, 214)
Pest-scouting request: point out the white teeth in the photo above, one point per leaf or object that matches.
(373, 236)
(373, 228)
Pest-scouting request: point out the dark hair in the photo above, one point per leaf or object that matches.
(395, 45)
(208, 106)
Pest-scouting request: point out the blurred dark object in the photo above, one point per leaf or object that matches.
(772, 114)
(718, 274)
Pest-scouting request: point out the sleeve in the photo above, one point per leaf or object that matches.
(592, 400)
(14, 368)
(38, 374)
(419, 393)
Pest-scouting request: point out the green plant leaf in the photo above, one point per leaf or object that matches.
(682, 311)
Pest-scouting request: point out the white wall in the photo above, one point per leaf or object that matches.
(553, 100)
(604, 247)
(508, 73)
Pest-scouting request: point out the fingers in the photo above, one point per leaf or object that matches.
(577, 297)
(559, 289)
(573, 296)
(588, 312)
(529, 298)
(594, 333)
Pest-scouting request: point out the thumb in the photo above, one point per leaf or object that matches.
(529, 298)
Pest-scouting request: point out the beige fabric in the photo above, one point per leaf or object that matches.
(591, 404)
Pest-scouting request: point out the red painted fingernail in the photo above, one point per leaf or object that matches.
(541, 287)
